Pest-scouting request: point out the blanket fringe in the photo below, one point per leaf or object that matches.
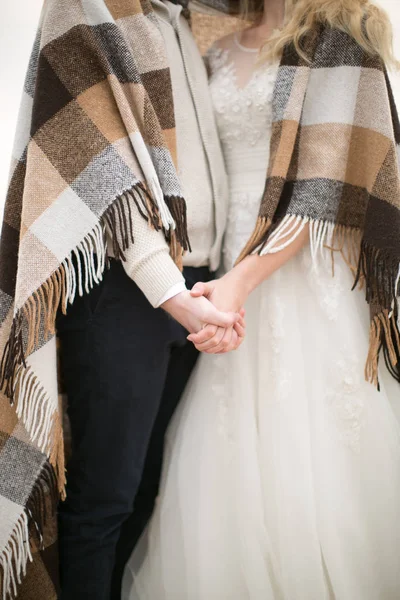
(177, 208)
(260, 232)
(34, 408)
(177, 235)
(44, 491)
(383, 335)
(324, 235)
(379, 273)
(118, 218)
(15, 556)
(34, 322)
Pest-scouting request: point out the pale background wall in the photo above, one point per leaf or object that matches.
(17, 31)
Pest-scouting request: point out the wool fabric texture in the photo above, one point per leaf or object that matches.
(334, 166)
(96, 137)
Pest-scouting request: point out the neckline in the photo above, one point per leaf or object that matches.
(243, 48)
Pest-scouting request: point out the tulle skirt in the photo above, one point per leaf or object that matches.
(282, 468)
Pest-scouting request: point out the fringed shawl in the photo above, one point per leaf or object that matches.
(96, 138)
(334, 166)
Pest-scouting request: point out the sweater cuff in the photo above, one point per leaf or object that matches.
(155, 275)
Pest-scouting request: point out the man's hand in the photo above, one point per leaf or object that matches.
(195, 312)
(227, 294)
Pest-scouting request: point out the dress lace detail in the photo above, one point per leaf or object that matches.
(221, 393)
(281, 375)
(242, 97)
(346, 401)
(242, 215)
(243, 112)
(329, 288)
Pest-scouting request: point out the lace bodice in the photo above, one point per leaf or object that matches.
(242, 97)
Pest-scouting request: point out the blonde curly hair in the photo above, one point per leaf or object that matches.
(368, 24)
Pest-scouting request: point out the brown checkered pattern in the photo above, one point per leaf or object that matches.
(335, 160)
(97, 84)
(96, 138)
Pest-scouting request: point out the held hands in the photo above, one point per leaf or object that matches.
(229, 295)
(194, 311)
(218, 329)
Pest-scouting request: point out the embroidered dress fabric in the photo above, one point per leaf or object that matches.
(282, 471)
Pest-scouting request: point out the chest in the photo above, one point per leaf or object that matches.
(242, 95)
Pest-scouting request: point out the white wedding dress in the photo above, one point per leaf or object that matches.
(282, 469)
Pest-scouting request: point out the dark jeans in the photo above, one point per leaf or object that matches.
(124, 366)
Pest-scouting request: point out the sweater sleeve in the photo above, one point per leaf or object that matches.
(149, 263)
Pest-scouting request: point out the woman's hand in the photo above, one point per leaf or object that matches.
(225, 292)
(193, 312)
(231, 291)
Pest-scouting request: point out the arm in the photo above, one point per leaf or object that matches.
(232, 290)
(151, 267)
(254, 269)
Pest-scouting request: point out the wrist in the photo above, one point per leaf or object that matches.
(173, 291)
(175, 303)
(240, 280)
(248, 274)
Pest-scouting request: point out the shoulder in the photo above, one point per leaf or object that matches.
(337, 48)
(226, 42)
(217, 55)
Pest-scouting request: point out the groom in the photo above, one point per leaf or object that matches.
(125, 361)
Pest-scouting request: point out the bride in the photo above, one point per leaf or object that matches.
(282, 469)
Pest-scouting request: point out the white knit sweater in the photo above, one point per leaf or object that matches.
(200, 167)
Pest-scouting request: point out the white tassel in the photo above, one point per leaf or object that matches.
(101, 249)
(5, 576)
(17, 557)
(31, 405)
(92, 267)
(40, 418)
(70, 272)
(67, 281)
(317, 231)
(35, 409)
(78, 271)
(84, 255)
(396, 298)
(9, 551)
(282, 230)
(320, 238)
(330, 234)
(396, 285)
(14, 558)
(83, 272)
(23, 378)
(290, 224)
(321, 235)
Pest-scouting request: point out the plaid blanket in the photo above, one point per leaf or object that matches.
(334, 165)
(96, 137)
